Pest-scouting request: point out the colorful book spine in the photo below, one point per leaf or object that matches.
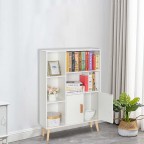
(83, 60)
(70, 61)
(73, 61)
(67, 61)
(90, 60)
(93, 62)
(97, 61)
(76, 61)
(80, 62)
(93, 81)
(86, 60)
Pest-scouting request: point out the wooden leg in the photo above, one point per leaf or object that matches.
(97, 126)
(43, 132)
(90, 123)
(48, 133)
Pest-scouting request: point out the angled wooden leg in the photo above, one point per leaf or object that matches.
(97, 126)
(48, 133)
(43, 132)
(90, 123)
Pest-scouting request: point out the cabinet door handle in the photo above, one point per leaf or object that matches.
(81, 108)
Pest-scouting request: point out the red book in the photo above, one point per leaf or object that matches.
(84, 80)
(86, 60)
(93, 62)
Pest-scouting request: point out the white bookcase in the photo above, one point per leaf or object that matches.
(3, 121)
(72, 106)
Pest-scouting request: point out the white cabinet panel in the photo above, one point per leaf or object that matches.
(3, 120)
(105, 107)
(74, 108)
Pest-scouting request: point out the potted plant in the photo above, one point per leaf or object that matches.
(128, 126)
(52, 93)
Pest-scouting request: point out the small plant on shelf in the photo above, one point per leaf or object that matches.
(52, 90)
(52, 93)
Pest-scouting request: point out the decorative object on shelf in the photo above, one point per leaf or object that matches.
(52, 93)
(54, 68)
(89, 114)
(53, 119)
(128, 126)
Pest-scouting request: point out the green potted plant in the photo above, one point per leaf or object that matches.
(128, 126)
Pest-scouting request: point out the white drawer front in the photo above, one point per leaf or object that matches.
(3, 120)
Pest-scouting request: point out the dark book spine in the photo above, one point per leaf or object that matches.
(73, 61)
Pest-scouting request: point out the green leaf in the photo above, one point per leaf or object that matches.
(117, 105)
(132, 108)
(134, 101)
(124, 99)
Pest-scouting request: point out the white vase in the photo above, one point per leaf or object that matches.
(52, 97)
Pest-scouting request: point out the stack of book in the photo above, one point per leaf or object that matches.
(82, 61)
(74, 86)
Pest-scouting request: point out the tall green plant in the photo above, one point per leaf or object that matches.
(126, 104)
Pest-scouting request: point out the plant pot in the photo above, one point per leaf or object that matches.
(52, 97)
(128, 128)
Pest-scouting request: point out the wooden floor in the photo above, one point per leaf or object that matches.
(86, 135)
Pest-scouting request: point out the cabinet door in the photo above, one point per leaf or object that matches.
(105, 107)
(3, 120)
(74, 108)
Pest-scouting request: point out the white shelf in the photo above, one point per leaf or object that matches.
(59, 76)
(3, 136)
(57, 101)
(72, 124)
(71, 93)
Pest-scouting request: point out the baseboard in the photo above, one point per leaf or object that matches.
(24, 134)
(33, 132)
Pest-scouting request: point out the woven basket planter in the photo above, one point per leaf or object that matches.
(128, 128)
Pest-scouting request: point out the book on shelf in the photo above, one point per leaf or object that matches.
(93, 61)
(74, 86)
(93, 81)
(70, 61)
(74, 83)
(97, 61)
(90, 81)
(82, 61)
(67, 61)
(87, 60)
(73, 61)
(90, 60)
(84, 80)
(76, 61)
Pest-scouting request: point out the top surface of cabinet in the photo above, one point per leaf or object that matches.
(69, 49)
(3, 103)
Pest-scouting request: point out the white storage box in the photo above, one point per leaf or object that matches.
(53, 119)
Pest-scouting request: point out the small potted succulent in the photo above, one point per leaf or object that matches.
(128, 126)
(52, 93)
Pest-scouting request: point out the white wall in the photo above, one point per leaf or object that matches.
(29, 25)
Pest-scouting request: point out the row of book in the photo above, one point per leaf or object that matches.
(74, 86)
(86, 83)
(82, 61)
